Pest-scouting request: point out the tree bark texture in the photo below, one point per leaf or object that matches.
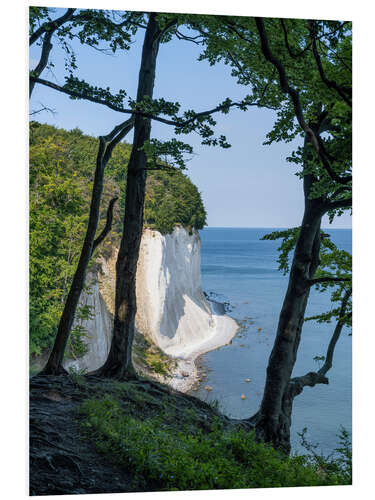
(273, 420)
(119, 361)
(54, 363)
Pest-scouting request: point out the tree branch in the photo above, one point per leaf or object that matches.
(175, 123)
(341, 190)
(43, 108)
(334, 205)
(117, 134)
(104, 155)
(294, 95)
(339, 58)
(293, 56)
(187, 38)
(336, 334)
(54, 363)
(46, 49)
(327, 279)
(51, 26)
(107, 226)
(297, 384)
(330, 83)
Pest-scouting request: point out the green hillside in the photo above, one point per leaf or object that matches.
(62, 165)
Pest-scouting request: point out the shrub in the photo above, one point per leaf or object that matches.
(171, 459)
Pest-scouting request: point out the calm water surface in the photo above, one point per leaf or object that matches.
(243, 270)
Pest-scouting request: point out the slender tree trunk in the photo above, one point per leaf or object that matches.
(119, 362)
(296, 385)
(273, 420)
(274, 417)
(54, 363)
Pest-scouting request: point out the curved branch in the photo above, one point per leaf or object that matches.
(294, 95)
(43, 108)
(46, 49)
(336, 334)
(51, 26)
(175, 123)
(297, 384)
(54, 363)
(293, 56)
(107, 226)
(187, 38)
(334, 205)
(166, 28)
(327, 279)
(330, 83)
(117, 134)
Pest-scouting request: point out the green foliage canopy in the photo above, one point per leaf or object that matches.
(319, 49)
(61, 175)
(335, 264)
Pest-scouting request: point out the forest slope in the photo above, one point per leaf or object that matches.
(62, 165)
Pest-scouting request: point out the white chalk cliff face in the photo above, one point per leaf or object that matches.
(98, 328)
(171, 307)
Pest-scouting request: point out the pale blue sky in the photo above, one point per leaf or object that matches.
(247, 185)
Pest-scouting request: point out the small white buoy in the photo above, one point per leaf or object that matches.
(247, 380)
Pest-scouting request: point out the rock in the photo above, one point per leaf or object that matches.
(53, 396)
(259, 329)
(208, 388)
(185, 374)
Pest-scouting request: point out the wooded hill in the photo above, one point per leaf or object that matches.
(62, 165)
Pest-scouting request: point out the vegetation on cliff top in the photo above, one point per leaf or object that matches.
(170, 444)
(62, 164)
(143, 436)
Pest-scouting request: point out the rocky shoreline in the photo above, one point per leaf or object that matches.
(186, 374)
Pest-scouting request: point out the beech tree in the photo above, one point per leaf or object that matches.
(301, 68)
(106, 145)
(88, 21)
(146, 155)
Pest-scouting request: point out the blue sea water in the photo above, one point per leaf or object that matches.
(242, 269)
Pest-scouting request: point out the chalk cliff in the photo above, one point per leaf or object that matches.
(172, 310)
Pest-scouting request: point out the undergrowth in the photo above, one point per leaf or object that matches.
(185, 456)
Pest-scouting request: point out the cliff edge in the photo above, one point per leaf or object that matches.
(172, 311)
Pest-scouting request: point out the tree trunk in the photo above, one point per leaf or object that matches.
(54, 363)
(119, 362)
(273, 420)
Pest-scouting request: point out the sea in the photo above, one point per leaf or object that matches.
(241, 270)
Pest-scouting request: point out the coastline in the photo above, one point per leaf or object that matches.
(186, 373)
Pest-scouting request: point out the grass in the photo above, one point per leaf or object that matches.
(170, 445)
(149, 358)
